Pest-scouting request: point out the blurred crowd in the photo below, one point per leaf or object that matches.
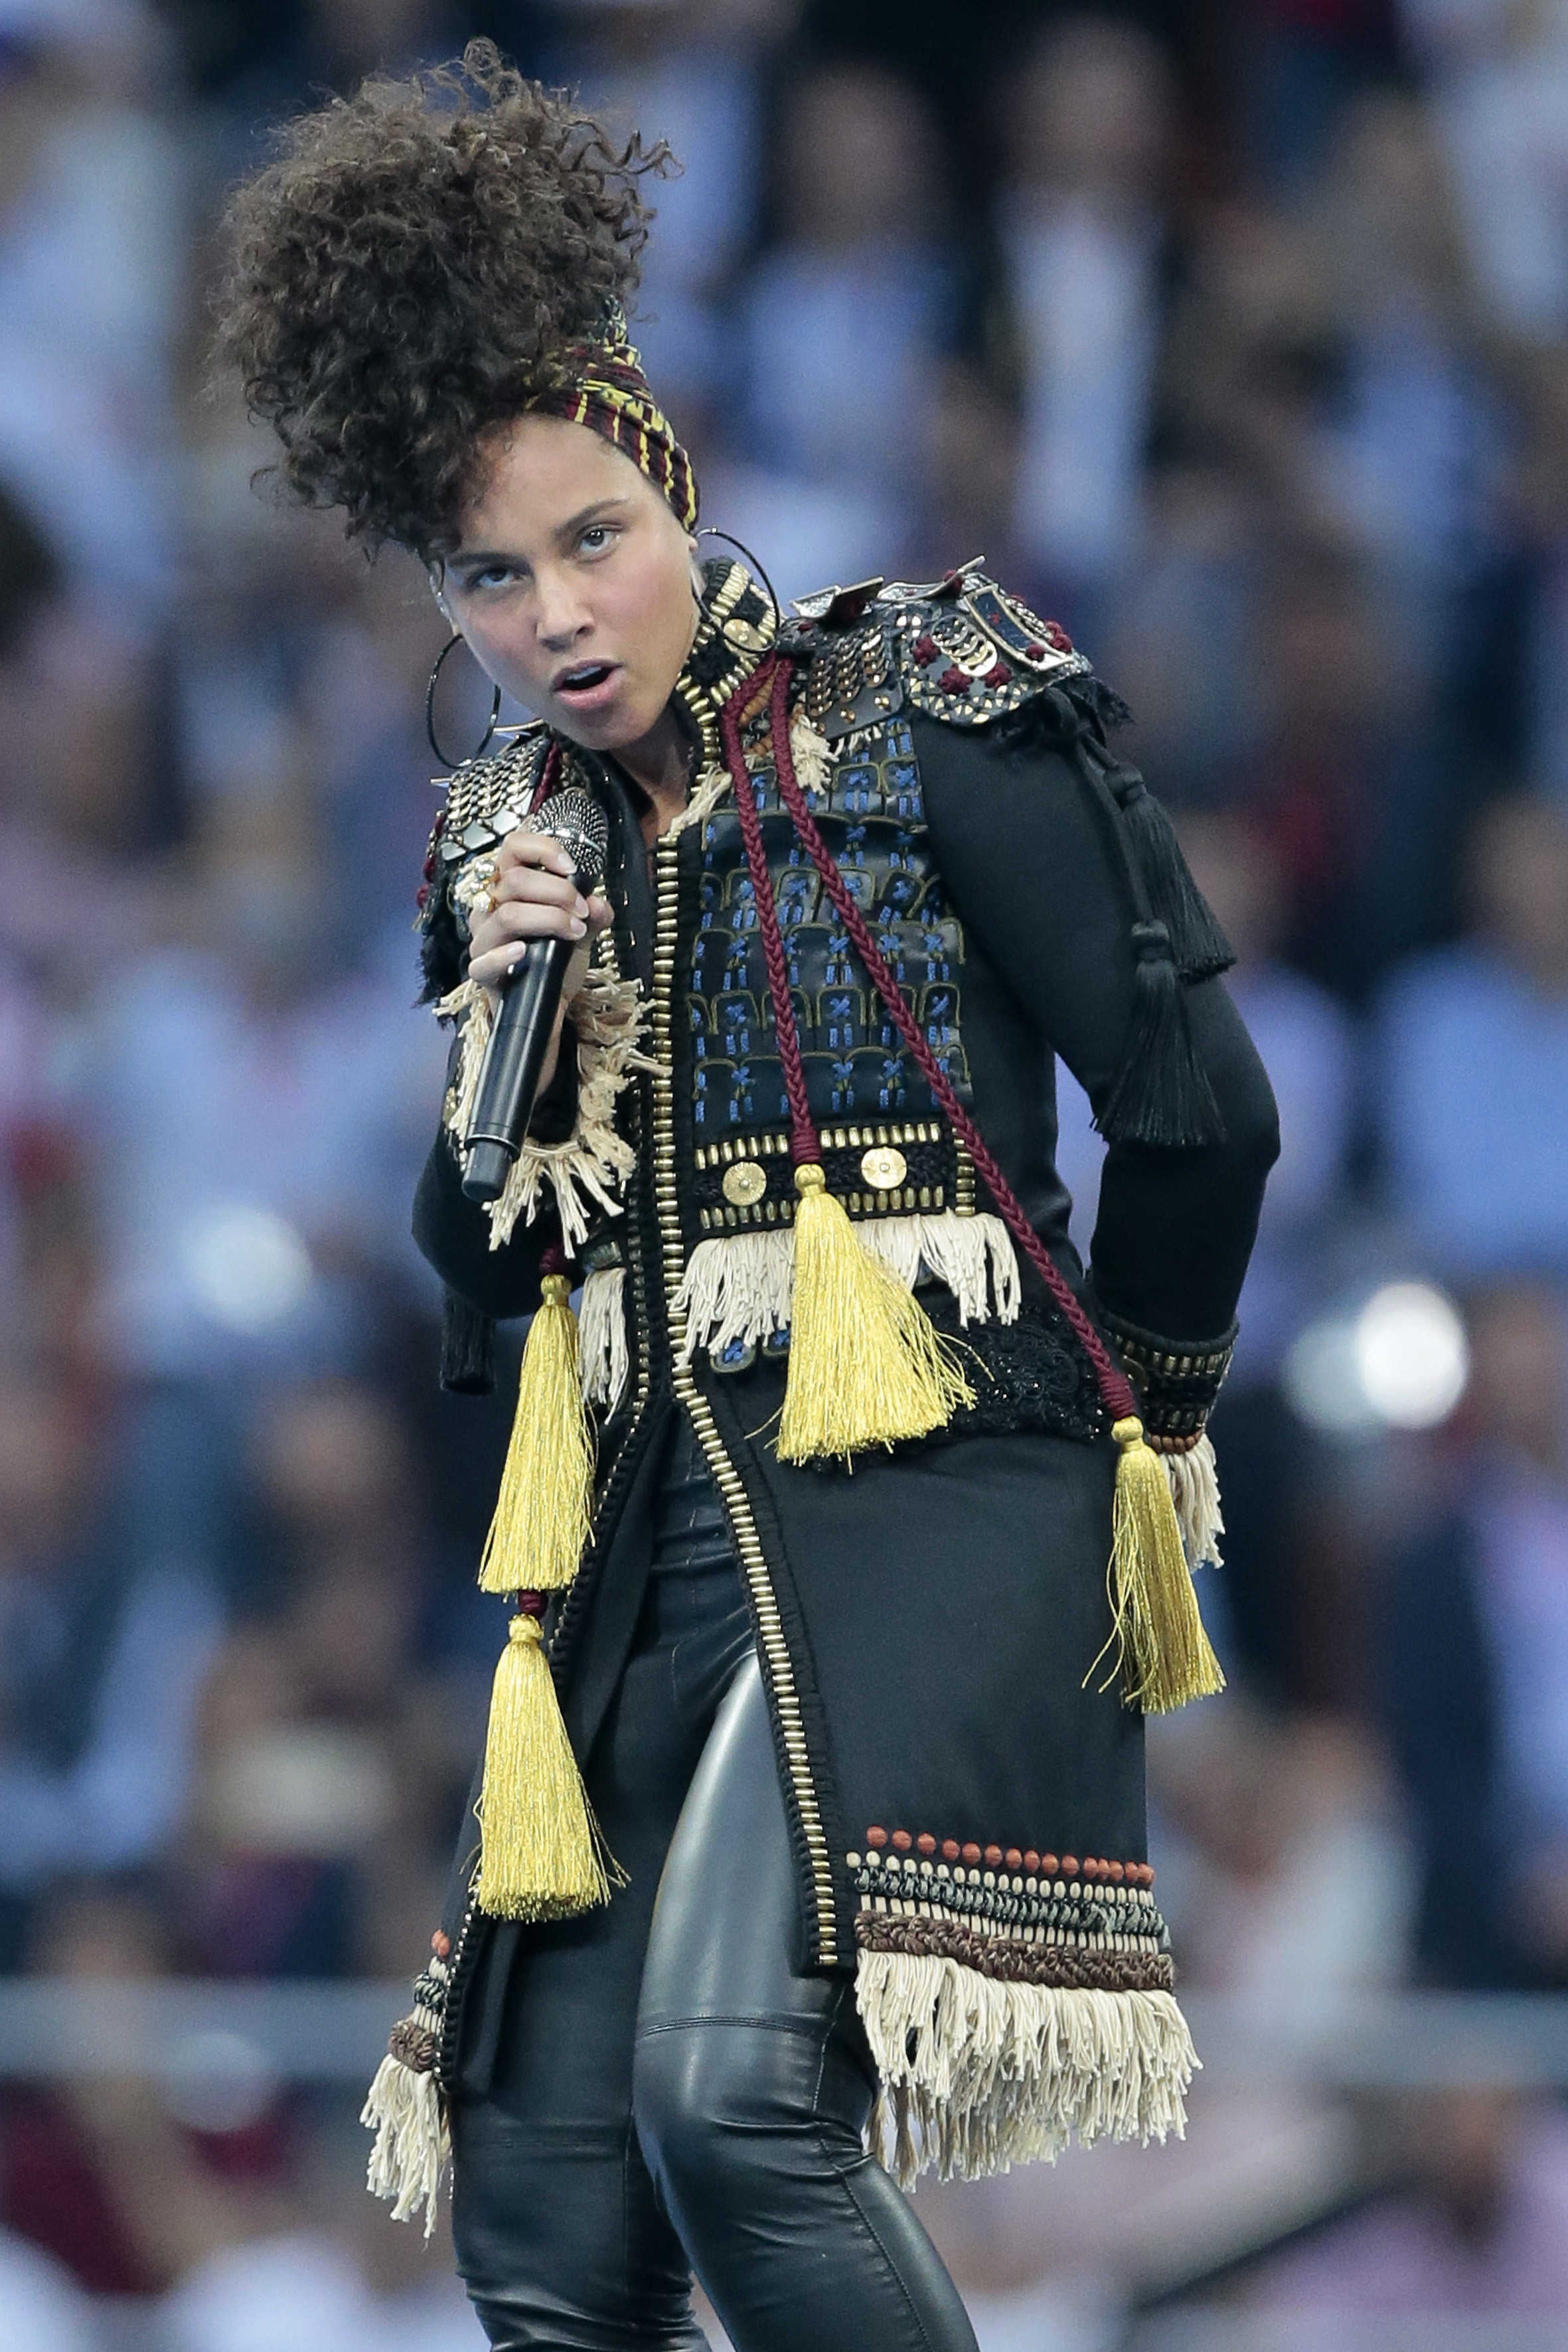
(1236, 337)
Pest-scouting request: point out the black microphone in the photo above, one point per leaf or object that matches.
(531, 995)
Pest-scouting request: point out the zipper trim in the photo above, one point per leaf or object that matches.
(777, 1669)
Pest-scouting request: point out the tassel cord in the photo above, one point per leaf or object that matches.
(1175, 939)
(1199, 948)
(542, 1854)
(543, 1513)
(1159, 884)
(1138, 1111)
(1115, 1389)
(1164, 1650)
(806, 1145)
(1162, 1094)
(867, 1367)
(549, 778)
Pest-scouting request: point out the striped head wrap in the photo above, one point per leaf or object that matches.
(605, 388)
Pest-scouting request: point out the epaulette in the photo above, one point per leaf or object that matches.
(963, 650)
(960, 649)
(486, 798)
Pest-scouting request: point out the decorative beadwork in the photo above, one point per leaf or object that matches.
(1018, 1915)
(1176, 1385)
(486, 798)
(960, 649)
(736, 625)
(930, 1182)
(933, 1936)
(1092, 1867)
(859, 1076)
(1028, 1374)
(1025, 1374)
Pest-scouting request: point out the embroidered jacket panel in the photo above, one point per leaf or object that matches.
(858, 1071)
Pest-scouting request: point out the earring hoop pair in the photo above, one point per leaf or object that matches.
(457, 638)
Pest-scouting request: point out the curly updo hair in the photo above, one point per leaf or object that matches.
(405, 276)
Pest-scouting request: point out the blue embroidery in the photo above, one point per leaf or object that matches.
(857, 1063)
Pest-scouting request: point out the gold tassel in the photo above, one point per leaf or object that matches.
(543, 1513)
(866, 1364)
(541, 1853)
(1166, 1656)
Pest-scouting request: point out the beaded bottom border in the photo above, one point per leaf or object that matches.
(1017, 1915)
(1010, 1858)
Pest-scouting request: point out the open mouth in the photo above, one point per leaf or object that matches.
(584, 681)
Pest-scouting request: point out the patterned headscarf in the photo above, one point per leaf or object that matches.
(608, 392)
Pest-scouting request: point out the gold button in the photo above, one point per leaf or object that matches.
(745, 1183)
(884, 1168)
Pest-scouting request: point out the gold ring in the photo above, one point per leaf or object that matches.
(475, 891)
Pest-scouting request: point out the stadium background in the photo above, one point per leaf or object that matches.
(1236, 337)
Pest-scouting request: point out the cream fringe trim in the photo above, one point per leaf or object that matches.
(412, 2147)
(602, 1336)
(813, 761)
(588, 1170)
(706, 794)
(813, 768)
(1194, 1490)
(977, 2076)
(737, 1285)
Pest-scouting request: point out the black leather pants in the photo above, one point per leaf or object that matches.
(667, 2094)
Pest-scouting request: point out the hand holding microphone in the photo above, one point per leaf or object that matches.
(531, 943)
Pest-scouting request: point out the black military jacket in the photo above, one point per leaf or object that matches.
(925, 1625)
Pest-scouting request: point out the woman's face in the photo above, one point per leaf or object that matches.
(573, 582)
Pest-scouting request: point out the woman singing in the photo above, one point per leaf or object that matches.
(848, 1511)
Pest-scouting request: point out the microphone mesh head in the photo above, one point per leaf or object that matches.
(580, 825)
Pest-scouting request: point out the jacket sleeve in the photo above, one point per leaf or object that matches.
(576, 1161)
(454, 1233)
(1032, 868)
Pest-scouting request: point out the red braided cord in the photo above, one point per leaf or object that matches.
(547, 776)
(553, 1259)
(1115, 1390)
(806, 1145)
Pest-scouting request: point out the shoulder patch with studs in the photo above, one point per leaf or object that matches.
(960, 648)
(485, 798)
